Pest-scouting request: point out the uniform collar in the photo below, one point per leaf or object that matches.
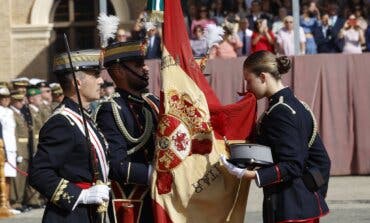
(285, 92)
(130, 97)
(69, 103)
(15, 109)
(34, 107)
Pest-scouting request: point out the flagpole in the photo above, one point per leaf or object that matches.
(103, 6)
(296, 24)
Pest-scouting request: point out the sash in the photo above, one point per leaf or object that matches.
(128, 208)
(77, 119)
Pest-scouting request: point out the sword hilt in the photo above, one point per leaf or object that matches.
(102, 208)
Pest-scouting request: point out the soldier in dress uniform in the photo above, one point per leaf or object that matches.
(128, 119)
(46, 96)
(108, 89)
(35, 100)
(8, 130)
(18, 185)
(32, 198)
(68, 165)
(295, 186)
(57, 95)
(20, 84)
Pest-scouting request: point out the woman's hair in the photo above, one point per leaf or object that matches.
(265, 61)
(196, 28)
(202, 8)
(258, 24)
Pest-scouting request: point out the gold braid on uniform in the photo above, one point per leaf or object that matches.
(59, 191)
(314, 131)
(141, 139)
(121, 126)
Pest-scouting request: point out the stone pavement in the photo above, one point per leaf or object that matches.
(348, 199)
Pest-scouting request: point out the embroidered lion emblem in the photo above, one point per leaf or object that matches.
(183, 131)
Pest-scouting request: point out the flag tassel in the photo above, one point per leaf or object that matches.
(234, 203)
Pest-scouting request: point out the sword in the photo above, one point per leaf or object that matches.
(102, 208)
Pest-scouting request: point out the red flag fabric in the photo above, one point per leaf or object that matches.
(189, 184)
(234, 121)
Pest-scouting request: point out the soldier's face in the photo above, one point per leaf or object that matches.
(138, 74)
(46, 94)
(35, 100)
(90, 85)
(18, 103)
(255, 84)
(4, 101)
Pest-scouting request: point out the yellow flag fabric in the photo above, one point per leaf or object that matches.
(189, 183)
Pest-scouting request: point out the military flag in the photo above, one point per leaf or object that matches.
(189, 184)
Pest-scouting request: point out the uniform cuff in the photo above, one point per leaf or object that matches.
(270, 175)
(65, 195)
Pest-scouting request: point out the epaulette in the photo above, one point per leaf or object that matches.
(150, 95)
(152, 104)
(314, 130)
(109, 99)
(114, 95)
(281, 102)
(59, 111)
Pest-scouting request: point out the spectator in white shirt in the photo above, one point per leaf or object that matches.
(245, 35)
(279, 21)
(285, 38)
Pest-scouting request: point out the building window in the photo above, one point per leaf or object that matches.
(77, 18)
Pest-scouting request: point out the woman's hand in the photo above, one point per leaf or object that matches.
(236, 171)
(346, 25)
(250, 174)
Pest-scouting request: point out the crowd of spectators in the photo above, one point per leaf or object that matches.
(325, 26)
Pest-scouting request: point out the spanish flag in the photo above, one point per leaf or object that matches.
(189, 184)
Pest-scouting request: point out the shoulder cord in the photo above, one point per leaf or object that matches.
(95, 113)
(281, 102)
(141, 139)
(314, 131)
(267, 112)
(100, 103)
(59, 111)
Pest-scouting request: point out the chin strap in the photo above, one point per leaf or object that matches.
(133, 72)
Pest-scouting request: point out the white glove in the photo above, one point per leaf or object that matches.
(19, 159)
(96, 194)
(233, 170)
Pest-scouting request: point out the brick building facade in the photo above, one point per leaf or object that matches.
(30, 30)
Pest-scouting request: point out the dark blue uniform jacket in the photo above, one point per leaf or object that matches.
(287, 127)
(63, 159)
(129, 169)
